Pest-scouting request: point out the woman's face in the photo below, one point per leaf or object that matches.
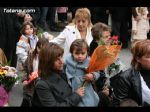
(28, 30)
(80, 56)
(106, 36)
(58, 64)
(145, 61)
(82, 24)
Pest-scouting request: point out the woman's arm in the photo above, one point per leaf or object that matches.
(61, 38)
(122, 88)
(47, 98)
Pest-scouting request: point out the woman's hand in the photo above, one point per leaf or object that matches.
(27, 17)
(106, 91)
(89, 77)
(80, 91)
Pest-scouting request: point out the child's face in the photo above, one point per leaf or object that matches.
(80, 56)
(28, 30)
(145, 61)
(106, 36)
(82, 24)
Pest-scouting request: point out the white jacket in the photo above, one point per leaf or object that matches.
(141, 26)
(68, 35)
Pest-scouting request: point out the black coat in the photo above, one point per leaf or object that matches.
(93, 46)
(128, 85)
(54, 92)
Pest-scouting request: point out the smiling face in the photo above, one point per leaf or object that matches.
(105, 36)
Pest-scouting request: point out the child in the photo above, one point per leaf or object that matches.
(31, 68)
(25, 45)
(140, 27)
(101, 34)
(76, 64)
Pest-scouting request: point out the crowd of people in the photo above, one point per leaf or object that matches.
(60, 63)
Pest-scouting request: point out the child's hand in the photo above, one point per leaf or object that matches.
(25, 82)
(88, 77)
(80, 91)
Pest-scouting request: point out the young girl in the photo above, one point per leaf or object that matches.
(25, 45)
(76, 64)
(31, 65)
(140, 27)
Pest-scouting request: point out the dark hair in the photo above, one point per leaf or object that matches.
(39, 45)
(47, 56)
(140, 48)
(79, 44)
(22, 31)
(31, 56)
(98, 29)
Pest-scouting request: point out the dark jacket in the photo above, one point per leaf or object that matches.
(54, 92)
(93, 46)
(128, 85)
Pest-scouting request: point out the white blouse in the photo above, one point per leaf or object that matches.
(145, 91)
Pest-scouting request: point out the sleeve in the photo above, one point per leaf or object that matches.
(134, 13)
(21, 51)
(148, 28)
(93, 46)
(61, 38)
(96, 75)
(134, 24)
(122, 88)
(47, 98)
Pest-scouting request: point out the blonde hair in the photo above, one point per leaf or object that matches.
(140, 48)
(82, 12)
(3, 59)
(140, 10)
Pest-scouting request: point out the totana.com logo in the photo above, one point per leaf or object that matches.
(10, 10)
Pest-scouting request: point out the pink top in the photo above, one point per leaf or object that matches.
(62, 9)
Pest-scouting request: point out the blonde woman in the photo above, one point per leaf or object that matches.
(140, 26)
(80, 28)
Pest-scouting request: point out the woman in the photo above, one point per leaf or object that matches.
(52, 89)
(79, 29)
(134, 83)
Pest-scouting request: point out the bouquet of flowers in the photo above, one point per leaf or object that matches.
(8, 78)
(105, 55)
